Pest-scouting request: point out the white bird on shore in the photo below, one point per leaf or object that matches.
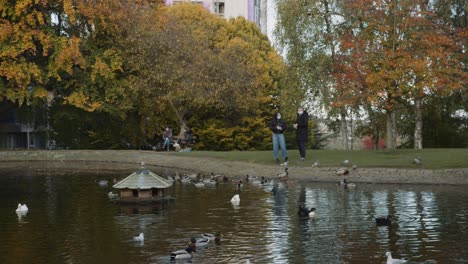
(417, 161)
(139, 238)
(391, 260)
(22, 208)
(345, 162)
(316, 164)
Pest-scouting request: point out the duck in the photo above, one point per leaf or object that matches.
(391, 260)
(199, 184)
(210, 182)
(316, 164)
(202, 242)
(235, 200)
(302, 211)
(342, 183)
(139, 238)
(264, 180)
(22, 208)
(342, 171)
(192, 176)
(354, 167)
(417, 161)
(216, 237)
(384, 221)
(284, 175)
(112, 195)
(257, 182)
(312, 213)
(347, 185)
(240, 184)
(345, 162)
(185, 180)
(103, 183)
(182, 254)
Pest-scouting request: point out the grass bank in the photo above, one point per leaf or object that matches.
(432, 158)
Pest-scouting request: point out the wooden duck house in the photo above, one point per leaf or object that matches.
(142, 186)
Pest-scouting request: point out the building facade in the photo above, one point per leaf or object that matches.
(259, 11)
(21, 129)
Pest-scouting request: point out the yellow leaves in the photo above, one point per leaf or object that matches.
(67, 54)
(80, 100)
(69, 10)
(40, 92)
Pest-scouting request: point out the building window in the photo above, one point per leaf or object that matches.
(135, 193)
(219, 8)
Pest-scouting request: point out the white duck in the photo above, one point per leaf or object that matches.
(112, 195)
(139, 238)
(316, 164)
(102, 183)
(199, 184)
(312, 213)
(391, 260)
(235, 200)
(22, 208)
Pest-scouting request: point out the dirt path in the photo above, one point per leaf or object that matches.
(109, 161)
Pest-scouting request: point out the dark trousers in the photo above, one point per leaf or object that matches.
(302, 147)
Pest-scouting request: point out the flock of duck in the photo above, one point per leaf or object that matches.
(200, 181)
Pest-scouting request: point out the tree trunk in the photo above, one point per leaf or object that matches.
(344, 129)
(375, 137)
(418, 124)
(391, 130)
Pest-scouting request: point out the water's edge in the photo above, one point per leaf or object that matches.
(109, 162)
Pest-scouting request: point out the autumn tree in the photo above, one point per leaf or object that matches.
(193, 62)
(398, 53)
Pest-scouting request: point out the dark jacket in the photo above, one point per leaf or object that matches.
(302, 121)
(275, 122)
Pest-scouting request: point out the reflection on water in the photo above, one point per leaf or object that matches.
(71, 220)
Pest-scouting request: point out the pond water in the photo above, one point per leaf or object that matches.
(71, 220)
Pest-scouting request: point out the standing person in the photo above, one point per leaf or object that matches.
(278, 126)
(302, 131)
(167, 137)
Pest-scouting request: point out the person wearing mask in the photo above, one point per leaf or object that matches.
(302, 131)
(167, 138)
(278, 126)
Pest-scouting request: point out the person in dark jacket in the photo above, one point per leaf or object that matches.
(302, 131)
(278, 126)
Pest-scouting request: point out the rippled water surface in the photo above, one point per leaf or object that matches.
(71, 220)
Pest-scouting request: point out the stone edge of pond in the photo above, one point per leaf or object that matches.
(111, 162)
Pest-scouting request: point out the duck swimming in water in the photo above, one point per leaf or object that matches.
(235, 200)
(216, 237)
(391, 260)
(182, 254)
(22, 208)
(384, 221)
(139, 238)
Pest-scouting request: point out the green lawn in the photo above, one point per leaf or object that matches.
(432, 158)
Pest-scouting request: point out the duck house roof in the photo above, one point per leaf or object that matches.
(143, 179)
